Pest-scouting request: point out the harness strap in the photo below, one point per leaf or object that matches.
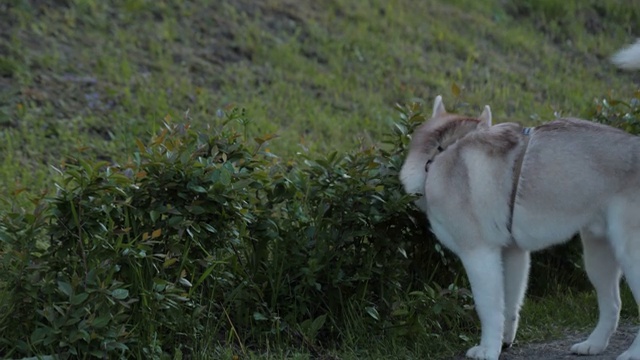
(517, 169)
(426, 165)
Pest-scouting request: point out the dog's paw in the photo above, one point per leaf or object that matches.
(588, 348)
(483, 353)
(510, 328)
(627, 355)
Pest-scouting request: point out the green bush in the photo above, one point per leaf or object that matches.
(207, 237)
(618, 113)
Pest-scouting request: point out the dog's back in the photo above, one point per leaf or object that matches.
(570, 173)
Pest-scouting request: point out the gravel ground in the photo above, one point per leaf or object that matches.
(559, 349)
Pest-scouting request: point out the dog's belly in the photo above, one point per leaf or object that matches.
(536, 229)
(547, 212)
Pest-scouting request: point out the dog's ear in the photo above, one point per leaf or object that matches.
(438, 107)
(485, 117)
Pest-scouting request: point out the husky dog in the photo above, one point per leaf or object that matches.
(495, 193)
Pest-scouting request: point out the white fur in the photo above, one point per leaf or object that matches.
(516, 271)
(485, 117)
(628, 58)
(438, 107)
(604, 273)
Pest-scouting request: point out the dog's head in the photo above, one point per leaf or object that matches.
(444, 129)
(433, 137)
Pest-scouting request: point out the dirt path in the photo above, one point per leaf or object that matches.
(559, 349)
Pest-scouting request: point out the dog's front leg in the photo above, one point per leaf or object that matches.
(484, 270)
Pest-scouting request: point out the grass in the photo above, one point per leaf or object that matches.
(549, 317)
(542, 319)
(85, 78)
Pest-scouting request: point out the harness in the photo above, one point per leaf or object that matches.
(517, 169)
(426, 165)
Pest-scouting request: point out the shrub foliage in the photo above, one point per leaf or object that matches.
(207, 237)
(618, 113)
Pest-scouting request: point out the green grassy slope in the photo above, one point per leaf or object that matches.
(85, 78)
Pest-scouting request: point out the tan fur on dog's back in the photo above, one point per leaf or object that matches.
(591, 164)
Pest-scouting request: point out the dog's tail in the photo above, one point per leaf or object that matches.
(628, 58)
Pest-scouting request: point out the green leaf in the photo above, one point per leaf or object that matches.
(101, 321)
(197, 188)
(209, 228)
(202, 277)
(39, 334)
(78, 299)
(399, 129)
(175, 221)
(259, 316)
(80, 335)
(197, 210)
(437, 309)
(318, 323)
(120, 294)
(72, 321)
(154, 215)
(4, 236)
(65, 288)
(115, 345)
(372, 312)
(225, 176)
(401, 311)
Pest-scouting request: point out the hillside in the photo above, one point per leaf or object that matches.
(86, 78)
(99, 80)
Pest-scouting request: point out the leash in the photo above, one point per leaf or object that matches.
(517, 169)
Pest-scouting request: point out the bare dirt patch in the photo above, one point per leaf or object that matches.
(559, 349)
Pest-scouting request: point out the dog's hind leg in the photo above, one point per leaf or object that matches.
(484, 270)
(623, 231)
(604, 272)
(631, 269)
(516, 271)
(633, 352)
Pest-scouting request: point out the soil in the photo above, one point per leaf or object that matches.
(559, 349)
